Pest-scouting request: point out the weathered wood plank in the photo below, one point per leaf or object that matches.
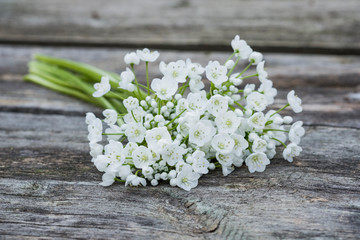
(48, 187)
(296, 25)
(329, 85)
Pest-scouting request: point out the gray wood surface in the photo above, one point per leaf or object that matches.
(49, 188)
(311, 25)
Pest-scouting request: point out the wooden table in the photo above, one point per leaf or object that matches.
(49, 188)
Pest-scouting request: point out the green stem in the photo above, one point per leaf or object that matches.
(279, 110)
(147, 78)
(245, 69)
(232, 55)
(249, 76)
(241, 106)
(175, 118)
(274, 130)
(136, 82)
(279, 142)
(232, 69)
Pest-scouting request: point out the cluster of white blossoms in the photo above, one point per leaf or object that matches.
(175, 131)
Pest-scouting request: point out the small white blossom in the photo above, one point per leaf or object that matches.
(132, 58)
(294, 101)
(173, 153)
(147, 56)
(103, 87)
(134, 181)
(256, 101)
(175, 71)
(241, 48)
(225, 159)
(197, 101)
(154, 136)
(131, 103)
(142, 157)
(292, 150)
(165, 88)
(261, 72)
(110, 116)
(201, 132)
(196, 84)
(240, 144)
(95, 130)
(227, 122)
(216, 73)
(200, 163)
(255, 58)
(135, 132)
(194, 69)
(223, 143)
(259, 145)
(257, 162)
(296, 132)
(187, 178)
(135, 115)
(107, 179)
(217, 105)
(257, 121)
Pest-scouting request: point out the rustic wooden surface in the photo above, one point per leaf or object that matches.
(322, 25)
(49, 188)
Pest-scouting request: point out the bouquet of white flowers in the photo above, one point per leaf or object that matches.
(171, 129)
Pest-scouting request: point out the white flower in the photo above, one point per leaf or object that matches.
(216, 73)
(110, 116)
(196, 84)
(147, 56)
(107, 179)
(132, 58)
(112, 130)
(103, 87)
(142, 157)
(294, 101)
(296, 132)
(226, 170)
(261, 72)
(135, 132)
(292, 150)
(113, 154)
(95, 130)
(182, 105)
(255, 58)
(259, 145)
(225, 159)
(201, 132)
(257, 121)
(164, 88)
(222, 143)
(227, 122)
(197, 101)
(187, 178)
(135, 115)
(194, 69)
(268, 90)
(256, 101)
(126, 78)
(229, 64)
(200, 163)
(217, 105)
(95, 150)
(154, 135)
(128, 151)
(173, 153)
(123, 172)
(176, 71)
(89, 117)
(241, 48)
(257, 162)
(131, 103)
(240, 144)
(134, 181)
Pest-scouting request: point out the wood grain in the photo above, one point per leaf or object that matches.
(49, 188)
(278, 25)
